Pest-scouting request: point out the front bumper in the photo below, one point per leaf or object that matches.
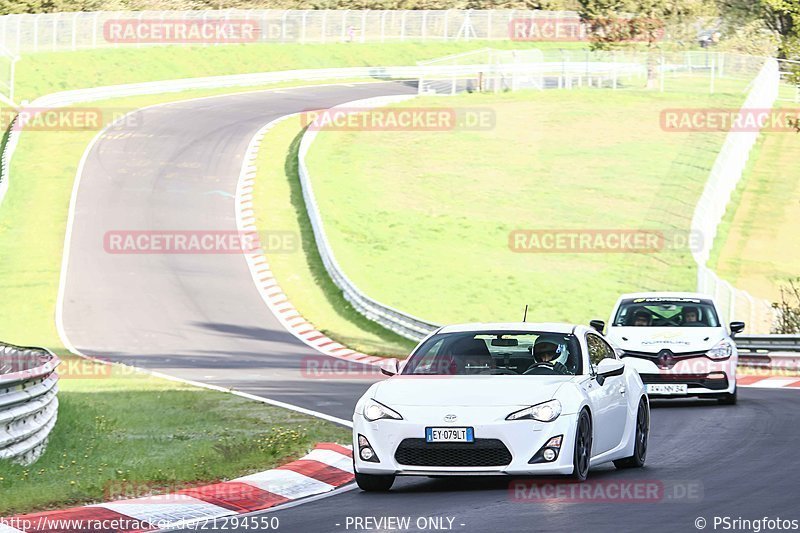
(701, 375)
(522, 439)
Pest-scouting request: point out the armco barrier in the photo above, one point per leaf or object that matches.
(768, 343)
(402, 323)
(28, 401)
(781, 352)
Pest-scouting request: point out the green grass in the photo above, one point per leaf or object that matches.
(756, 248)
(279, 205)
(42, 73)
(421, 221)
(176, 436)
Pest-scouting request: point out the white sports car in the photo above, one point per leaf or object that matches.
(677, 343)
(518, 398)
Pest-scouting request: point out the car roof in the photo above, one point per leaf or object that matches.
(666, 294)
(549, 327)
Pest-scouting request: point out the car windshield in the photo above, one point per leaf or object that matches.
(497, 352)
(666, 312)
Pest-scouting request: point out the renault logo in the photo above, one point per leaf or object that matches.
(666, 359)
(450, 418)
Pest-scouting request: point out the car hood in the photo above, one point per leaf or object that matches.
(470, 391)
(655, 339)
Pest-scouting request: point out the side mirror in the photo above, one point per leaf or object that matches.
(736, 327)
(609, 367)
(598, 325)
(393, 368)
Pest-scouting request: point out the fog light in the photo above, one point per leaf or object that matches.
(717, 375)
(549, 454)
(365, 450)
(367, 453)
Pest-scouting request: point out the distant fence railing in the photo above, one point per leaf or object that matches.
(81, 30)
(28, 401)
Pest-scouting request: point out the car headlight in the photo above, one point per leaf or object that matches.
(723, 350)
(543, 412)
(375, 411)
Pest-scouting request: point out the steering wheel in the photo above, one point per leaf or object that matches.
(497, 371)
(557, 368)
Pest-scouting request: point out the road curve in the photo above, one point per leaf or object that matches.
(198, 317)
(201, 318)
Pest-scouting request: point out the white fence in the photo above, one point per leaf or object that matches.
(725, 175)
(28, 401)
(79, 30)
(688, 71)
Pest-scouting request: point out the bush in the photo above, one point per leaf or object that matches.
(789, 308)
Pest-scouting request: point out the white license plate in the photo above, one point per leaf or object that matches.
(672, 388)
(449, 435)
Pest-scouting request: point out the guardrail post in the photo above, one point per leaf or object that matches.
(55, 30)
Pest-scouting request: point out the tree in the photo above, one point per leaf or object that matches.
(789, 308)
(612, 23)
(781, 17)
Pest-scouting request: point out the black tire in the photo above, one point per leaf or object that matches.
(642, 434)
(374, 483)
(582, 453)
(729, 399)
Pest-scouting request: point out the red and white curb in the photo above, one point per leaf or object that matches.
(265, 281)
(324, 469)
(769, 382)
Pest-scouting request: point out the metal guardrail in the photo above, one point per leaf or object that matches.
(401, 323)
(774, 352)
(28, 401)
(767, 343)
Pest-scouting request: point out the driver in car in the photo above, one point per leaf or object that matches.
(545, 354)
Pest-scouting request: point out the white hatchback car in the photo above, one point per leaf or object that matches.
(677, 343)
(519, 398)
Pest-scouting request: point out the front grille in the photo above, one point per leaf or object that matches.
(692, 380)
(655, 355)
(663, 358)
(482, 452)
